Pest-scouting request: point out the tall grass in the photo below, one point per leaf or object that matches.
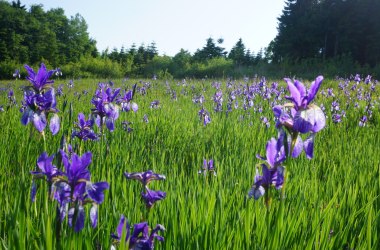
(331, 201)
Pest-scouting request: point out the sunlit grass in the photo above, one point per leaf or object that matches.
(331, 201)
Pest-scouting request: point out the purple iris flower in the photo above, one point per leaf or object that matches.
(126, 101)
(37, 108)
(150, 197)
(11, 98)
(218, 100)
(308, 117)
(205, 116)
(140, 238)
(272, 170)
(155, 104)
(60, 90)
(16, 74)
(47, 169)
(105, 110)
(145, 118)
(265, 121)
(127, 126)
(58, 72)
(270, 177)
(84, 129)
(78, 190)
(208, 166)
(123, 223)
(39, 100)
(363, 121)
(41, 79)
(70, 84)
(144, 177)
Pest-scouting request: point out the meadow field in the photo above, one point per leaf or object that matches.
(330, 201)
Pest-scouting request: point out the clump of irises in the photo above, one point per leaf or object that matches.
(72, 188)
(84, 129)
(105, 109)
(300, 116)
(150, 197)
(39, 100)
(140, 237)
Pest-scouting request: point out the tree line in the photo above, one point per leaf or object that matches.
(333, 37)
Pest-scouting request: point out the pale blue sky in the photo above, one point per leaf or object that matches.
(174, 24)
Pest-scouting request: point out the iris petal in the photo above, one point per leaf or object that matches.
(39, 121)
(54, 124)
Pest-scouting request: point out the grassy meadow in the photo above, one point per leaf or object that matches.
(330, 202)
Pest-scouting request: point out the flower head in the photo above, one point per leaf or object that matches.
(208, 166)
(150, 197)
(41, 78)
(104, 108)
(307, 117)
(84, 129)
(144, 177)
(140, 238)
(270, 177)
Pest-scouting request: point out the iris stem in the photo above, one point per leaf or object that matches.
(283, 186)
(44, 138)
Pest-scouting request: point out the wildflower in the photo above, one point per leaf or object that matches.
(155, 104)
(60, 90)
(205, 116)
(265, 121)
(74, 189)
(123, 223)
(144, 177)
(126, 101)
(70, 85)
(270, 177)
(47, 169)
(337, 118)
(105, 110)
(308, 117)
(272, 170)
(11, 98)
(140, 238)
(145, 118)
(58, 72)
(127, 126)
(150, 197)
(39, 101)
(363, 121)
(84, 129)
(41, 79)
(16, 74)
(208, 166)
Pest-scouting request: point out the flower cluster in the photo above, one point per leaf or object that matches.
(104, 109)
(72, 188)
(140, 238)
(84, 130)
(39, 100)
(148, 196)
(301, 116)
(126, 101)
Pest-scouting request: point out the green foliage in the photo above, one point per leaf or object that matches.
(93, 67)
(331, 202)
